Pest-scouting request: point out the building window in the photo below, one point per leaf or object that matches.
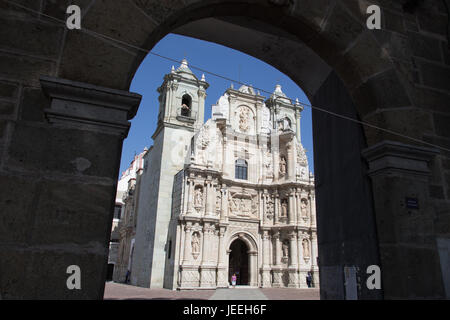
(186, 104)
(241, 169)
(117, 211)
(170, 250)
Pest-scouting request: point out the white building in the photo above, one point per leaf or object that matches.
(124, 221)
(232, 195)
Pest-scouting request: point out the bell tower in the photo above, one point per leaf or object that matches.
(182, 98)
(181, 114)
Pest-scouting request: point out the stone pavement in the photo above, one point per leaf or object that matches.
(118, 291)
(238, 294)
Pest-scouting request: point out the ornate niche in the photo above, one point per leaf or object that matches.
(268, 164)
(306, 250)
(283, 166)
(302, 163)
(198, 198)
(270, 208)
(195, 243)
(284, 210)
(304, 208)
(244, 119)
(202, 144)
(285, 251)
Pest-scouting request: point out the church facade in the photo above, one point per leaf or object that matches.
(230, 196)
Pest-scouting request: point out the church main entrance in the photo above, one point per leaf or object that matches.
(238, 263)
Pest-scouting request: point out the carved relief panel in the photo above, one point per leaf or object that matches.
(243, 205)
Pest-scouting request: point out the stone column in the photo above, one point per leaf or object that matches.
(253, 268)
(292, 212)
(206, 242)
(298, 203)
(293, 267)
(293, 249)
(314, 267)
(290, 160)
(222, 276)
(224, 212)
(265, 271)
(277, 208)
(80, 138)
(209, 198)
(277, 272)
(189, 196)
(402, 173)
(207, 269)
(187, 243)
(312, 206)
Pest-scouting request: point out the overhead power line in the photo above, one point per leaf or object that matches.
(123, 43)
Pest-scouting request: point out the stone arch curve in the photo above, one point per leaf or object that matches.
(372, 72)
(246, 237)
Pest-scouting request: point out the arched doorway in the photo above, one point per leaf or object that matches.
(239, 262)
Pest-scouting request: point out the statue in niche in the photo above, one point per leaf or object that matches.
(195, 245)
(304, 206)
(198, 197)
(269, 209)
(286, 124)
(285, 250)
(284, 208)
(243, 119)
(283, 165)
(203, 140)
(218, 202)
(268, 164)
(301, 156)
(305, 245)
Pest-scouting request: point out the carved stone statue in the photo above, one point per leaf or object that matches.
(305, 245)
(268, 164)
(304, 207)
(244, 119)
(195, 245)
(286, 124)
(198, 197)
(283, 165)
(301, 156)
(284, 208)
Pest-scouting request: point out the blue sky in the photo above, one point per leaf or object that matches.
(214, 58)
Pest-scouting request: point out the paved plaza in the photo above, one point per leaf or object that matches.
(118, 291)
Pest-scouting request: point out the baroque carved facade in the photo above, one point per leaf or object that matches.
(242, 196)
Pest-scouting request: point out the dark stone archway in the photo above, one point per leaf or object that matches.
(239, 262)
(59, 165)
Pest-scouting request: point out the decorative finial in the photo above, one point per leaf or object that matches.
(173, 69)
(232, 86)
(203, 77)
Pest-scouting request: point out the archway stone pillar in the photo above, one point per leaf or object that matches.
(71, 177)
(253, 268)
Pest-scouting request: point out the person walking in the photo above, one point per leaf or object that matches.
(309, 279)
(233, 280)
